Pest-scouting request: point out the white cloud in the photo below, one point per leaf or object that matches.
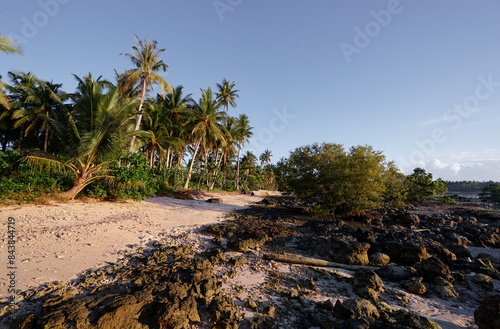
(479, 170)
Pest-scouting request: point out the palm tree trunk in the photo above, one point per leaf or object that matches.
(78, 185)
(139, 115)
(46, 141)
(151, 161)
(238, 168)
(197, 146)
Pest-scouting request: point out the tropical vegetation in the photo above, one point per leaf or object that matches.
(116, 139)
(350, 181)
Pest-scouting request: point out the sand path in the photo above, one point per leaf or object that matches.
(56, 242)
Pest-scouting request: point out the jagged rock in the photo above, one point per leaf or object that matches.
(444, 288)
(487, 316)
(379, 259)
(355, 308)
(415, 321)
(367, 284)
(408, 220)
(345, 249)
(404, 252)
(396, 273)
(479, 282)
(415, 286)
(225, 313)
(433, 267)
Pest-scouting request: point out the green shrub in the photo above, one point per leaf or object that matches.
(130, 178)
(339, 181)
(20, 182)
(421, 187)
(490, 193)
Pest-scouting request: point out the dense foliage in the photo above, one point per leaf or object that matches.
(187, 143)
(422, 187)
(22, 183)
(491, 193)
(343, 181)
(340, 181)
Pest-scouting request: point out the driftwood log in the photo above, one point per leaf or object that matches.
(191, 194)
(296, 259)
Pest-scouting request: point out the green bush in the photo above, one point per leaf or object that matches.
(20, 182)
(421, 187)
(130, 178)
(340, 181)
(490, 193)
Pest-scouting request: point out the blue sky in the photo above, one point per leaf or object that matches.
(418, 80)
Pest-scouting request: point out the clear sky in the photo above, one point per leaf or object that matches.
(418, 80)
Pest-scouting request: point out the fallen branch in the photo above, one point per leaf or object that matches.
(191, 194)
(296, 259)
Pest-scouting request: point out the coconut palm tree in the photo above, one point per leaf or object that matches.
(227, 94)
(93, 144)
(38, 108)
(33, 107)
(177, 107)
(205, 125)
(158, 125)
(265, 158)
(146, 58)
(243, 134)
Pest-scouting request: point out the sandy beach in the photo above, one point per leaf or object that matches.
(56, 242)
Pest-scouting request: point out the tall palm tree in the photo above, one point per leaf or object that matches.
(37, 106)
(227, 94)
(177, 107)
(93, 143)
(158, 125)
(243, 134)
(146, 58)
(265, 158)
(205, 125)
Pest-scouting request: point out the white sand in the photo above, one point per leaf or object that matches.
(56, 242)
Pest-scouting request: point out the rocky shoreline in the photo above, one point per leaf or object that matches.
(419, 267)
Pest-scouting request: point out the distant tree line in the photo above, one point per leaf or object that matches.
(467, 186)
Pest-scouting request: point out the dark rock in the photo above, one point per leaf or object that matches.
(344, 249)
(225, 313)
(408, 220)
(415, 321)
(214, 200)
(367, 284)
(415, 286)
(379, 259)
(433, 267)
(487, 316)
(355, 308)
(396, 273)
(444, 288)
